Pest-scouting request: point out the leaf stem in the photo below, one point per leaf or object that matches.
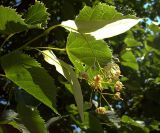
(58, 49)
(2, 75)
(37, 37)
(106, 101)
(6, 40)
(107, 94)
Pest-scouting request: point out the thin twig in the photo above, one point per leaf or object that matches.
(37, 37)
(6, 40)
(51, 48)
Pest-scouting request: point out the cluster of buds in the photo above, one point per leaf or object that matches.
(101, 110)
(118, 86)
(117, 96)
(96, 83)
(84, 75)
(112, 71)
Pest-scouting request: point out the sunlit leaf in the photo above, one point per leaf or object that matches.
(86, 49)
(114, 29)
(29, 75)
(70, 25)
(101, 21)
(50, 57)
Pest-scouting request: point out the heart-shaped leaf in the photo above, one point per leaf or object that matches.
(86, 49)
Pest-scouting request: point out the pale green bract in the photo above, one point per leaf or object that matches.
(51, 58)
(67, 71)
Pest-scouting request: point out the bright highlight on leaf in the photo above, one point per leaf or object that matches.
(109, 30)
(101, 21)
(50, 57)
(114, 28)
(70, 25)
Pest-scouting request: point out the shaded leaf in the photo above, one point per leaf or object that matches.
(1, 130)
(36, 14)
(129, 60)
(132, 42)
(7, 116)
(113, 117)
(29, 75)
(11, 22)
(19, 126)
(31, 119)
(92, 123)
(77, 92)
(135, 126)
(52, 120)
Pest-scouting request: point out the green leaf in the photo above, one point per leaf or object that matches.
(51, 58)
(67, 71)
(113, 117)
(36, 15)
(86, 49)
(11, 22)
(91, 19)
(31, 118)
(77, 92)
(52, 120)
(69, 87)
(76, 88)
(29, 75)
(19, 126)
(129, 60)
(7, 116)
(101, 21)
(132, 42)
(138, 128)
(1, 130)
(92, 123)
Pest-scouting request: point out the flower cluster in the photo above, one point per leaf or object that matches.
(101, 110)
(96, 83)
(112, 71)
